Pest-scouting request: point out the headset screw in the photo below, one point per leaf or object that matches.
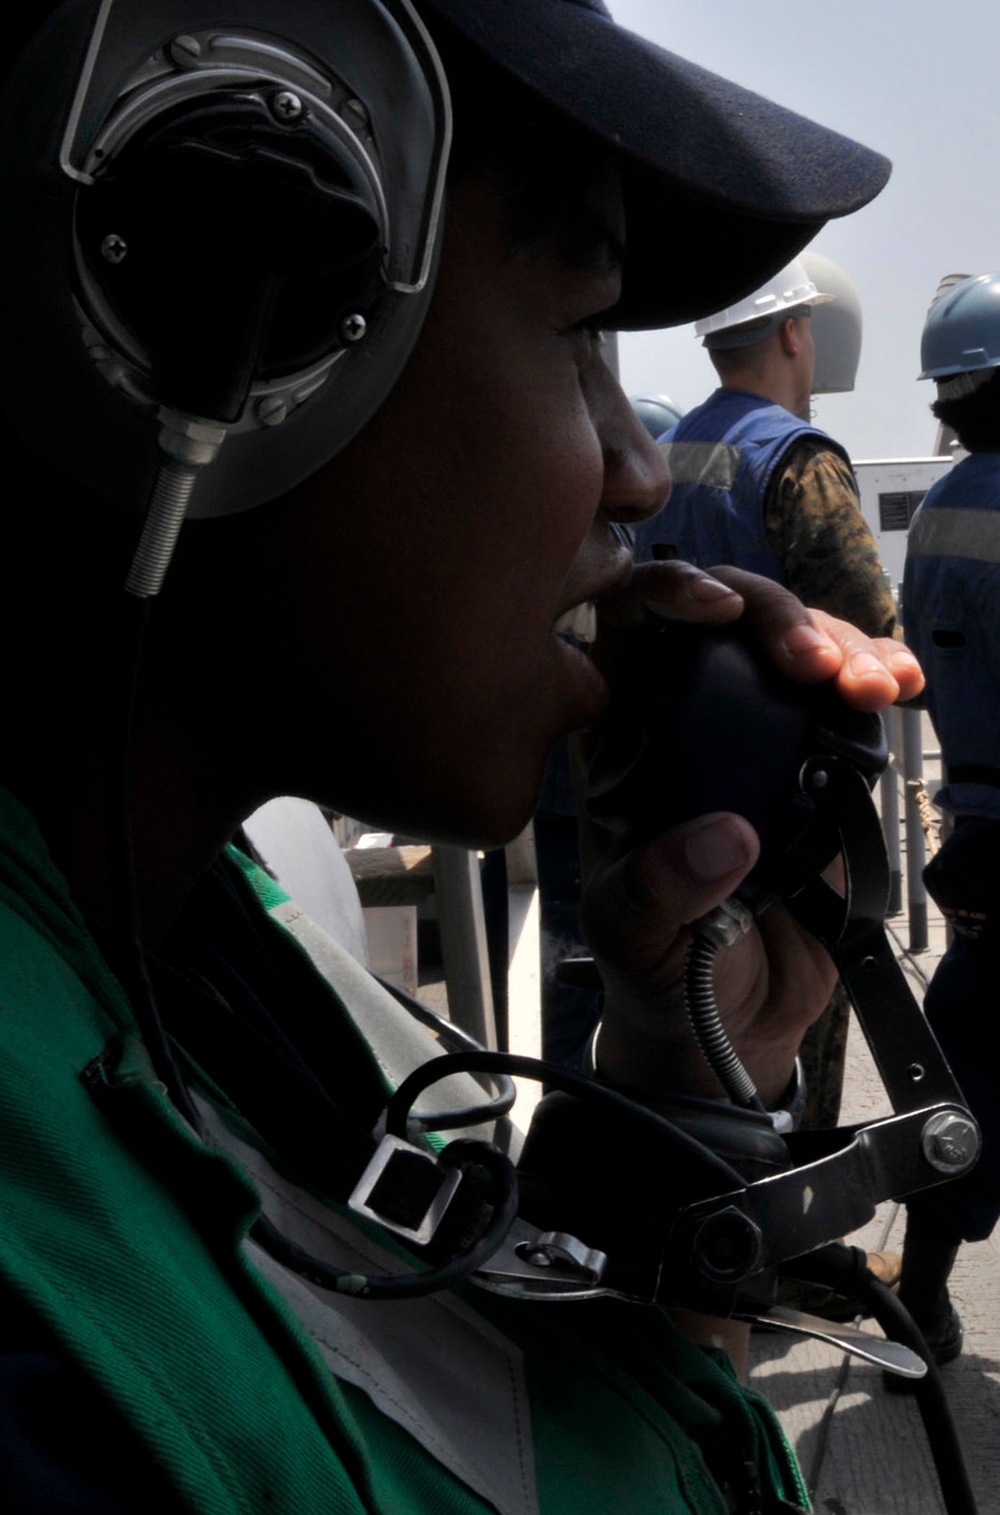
(950, 1142)
(820, 779)
(540, 1259)
(184, 51)
(286, 105)
(356, 109)
(114, 248)
(353, 327)
(271, 410)
(102, 357)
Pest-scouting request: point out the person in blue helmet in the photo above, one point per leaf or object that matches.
(304, 378)
(950, 589)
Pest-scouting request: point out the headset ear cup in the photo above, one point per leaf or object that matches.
(266, 212)
(227, 228)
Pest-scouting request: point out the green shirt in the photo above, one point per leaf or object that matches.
(124, 1236)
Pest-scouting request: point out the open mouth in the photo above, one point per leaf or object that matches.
(579, 626)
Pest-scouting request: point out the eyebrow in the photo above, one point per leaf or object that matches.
(568, 217)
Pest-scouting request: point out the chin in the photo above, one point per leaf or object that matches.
(481, 821)
(484, 828)
(485, 817)
(483, 801)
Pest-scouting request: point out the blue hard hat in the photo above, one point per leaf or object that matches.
(658, 413)
(962, 330)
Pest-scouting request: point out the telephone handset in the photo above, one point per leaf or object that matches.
(700, 721)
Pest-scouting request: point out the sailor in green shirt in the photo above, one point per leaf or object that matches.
(326, 283)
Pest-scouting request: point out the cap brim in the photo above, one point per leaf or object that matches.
(722, 187)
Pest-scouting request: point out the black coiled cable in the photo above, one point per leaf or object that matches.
(709, 1032)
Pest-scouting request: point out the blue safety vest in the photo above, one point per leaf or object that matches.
(951, 619)
(722, 456)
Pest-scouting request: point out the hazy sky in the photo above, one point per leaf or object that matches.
(920, 82)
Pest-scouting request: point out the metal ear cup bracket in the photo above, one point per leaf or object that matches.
(231, 186)
(299, 74)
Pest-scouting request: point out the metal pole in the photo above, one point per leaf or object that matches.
(459, 895)
(889, 795)
(913, 771)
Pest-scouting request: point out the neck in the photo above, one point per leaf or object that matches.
(70, 772)
(173, 834)
(775, 388)
(769, 370)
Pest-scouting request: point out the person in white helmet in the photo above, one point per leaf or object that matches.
(754, 483)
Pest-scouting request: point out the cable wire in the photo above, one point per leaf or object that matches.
(121, 860)
(706, 1023)
(845, 1270)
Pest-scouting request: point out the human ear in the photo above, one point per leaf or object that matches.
(788, 336)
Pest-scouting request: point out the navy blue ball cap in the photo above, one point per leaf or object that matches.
(722, 186)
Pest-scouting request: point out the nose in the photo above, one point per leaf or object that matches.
(636, 477)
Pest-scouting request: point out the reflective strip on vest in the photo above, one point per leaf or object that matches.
(710, 463)
(973, 534)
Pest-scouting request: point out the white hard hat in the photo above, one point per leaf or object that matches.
(790, 287)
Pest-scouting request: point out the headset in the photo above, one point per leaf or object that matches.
(217, 239)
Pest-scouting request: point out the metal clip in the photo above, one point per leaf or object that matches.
(390, 1149)
(533, 1264)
